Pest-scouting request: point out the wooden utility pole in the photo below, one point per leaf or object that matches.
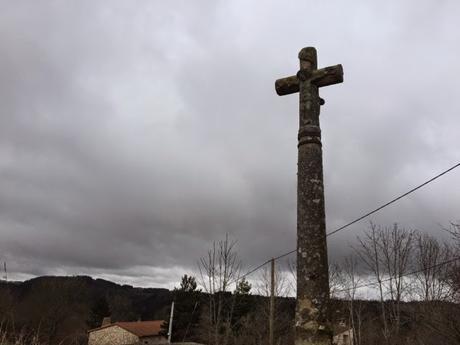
(312, 322)
(272, 303)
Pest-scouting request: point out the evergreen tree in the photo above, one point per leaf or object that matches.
(98, 311)
(243, 287)
(188, 284)
(186, 311)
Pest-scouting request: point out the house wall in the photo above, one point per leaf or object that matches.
(344, 338)
(113, 335)
(153, 340)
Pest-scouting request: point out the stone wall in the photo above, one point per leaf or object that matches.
(113, 335)
(154, 340)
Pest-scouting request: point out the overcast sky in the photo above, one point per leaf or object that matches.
(133, 134)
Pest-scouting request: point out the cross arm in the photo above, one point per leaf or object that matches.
(321, 77)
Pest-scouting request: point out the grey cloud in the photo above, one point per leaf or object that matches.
(131, 137)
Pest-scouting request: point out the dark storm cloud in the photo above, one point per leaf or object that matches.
(131, 137)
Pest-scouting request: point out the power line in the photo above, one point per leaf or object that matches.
(285, 254)
(401, 275)
(253, 270)
(394, 200)
(361, 217)
(372, 283)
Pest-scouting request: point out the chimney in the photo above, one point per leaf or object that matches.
(106, 321)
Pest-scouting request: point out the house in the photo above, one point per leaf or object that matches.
(127, 333)
(343, 335)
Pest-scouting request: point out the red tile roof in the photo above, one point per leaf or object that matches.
(139, 328)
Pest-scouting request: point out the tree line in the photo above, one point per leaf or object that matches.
(398, 286)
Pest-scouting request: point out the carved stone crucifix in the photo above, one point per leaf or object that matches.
(312, 324)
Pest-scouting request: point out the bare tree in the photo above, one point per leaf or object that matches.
(369, 252)
(282, 288)
(219, 270)
(454, 230)
(454, 269)
(396, 246)
(386, 251)
(431, 281)
(335, 279)
(350, 280)
(282, 285)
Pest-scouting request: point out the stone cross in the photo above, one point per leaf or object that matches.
(312, 322)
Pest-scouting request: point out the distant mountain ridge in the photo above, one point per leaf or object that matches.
(67, 306)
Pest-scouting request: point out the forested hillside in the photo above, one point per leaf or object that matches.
(64, 308)
(60, 310)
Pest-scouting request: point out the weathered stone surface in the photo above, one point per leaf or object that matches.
(113, 335)
(116, 335)
(321, 77)
(312, 319)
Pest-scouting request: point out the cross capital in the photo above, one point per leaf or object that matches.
(308, 72)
